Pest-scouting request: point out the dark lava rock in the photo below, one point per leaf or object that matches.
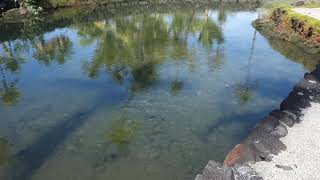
(240, 154)
(245, 172)
(268, 124)
(280, 131)
(287, 168)
(293, 116)
(298, 3)
(201, 177)
(264, 144)
(283, 117)
(215, 170)
(311, 77)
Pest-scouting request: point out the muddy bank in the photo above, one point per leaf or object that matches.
(286, 24)
(264, 140)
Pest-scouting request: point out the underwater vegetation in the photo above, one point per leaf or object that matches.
(175, 87)
(244, 92)
(122, 131)
(4, 151)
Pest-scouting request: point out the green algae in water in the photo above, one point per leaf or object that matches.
(4, 151)
(122, 132)
(175, 87)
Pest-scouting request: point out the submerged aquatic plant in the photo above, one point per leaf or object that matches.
(244, 94)
(122, 132)
(4, 151)
(175, 87)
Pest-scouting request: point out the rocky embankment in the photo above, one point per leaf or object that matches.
(263, 143)
(287, 24)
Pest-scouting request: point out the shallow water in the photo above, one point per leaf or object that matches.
(143, 96)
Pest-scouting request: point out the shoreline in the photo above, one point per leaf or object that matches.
(24, 13)
(289, 25)
(30, 27)
(265, 140)
(301, 159)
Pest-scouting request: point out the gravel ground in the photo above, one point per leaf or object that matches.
(312, 12)
(301, 160)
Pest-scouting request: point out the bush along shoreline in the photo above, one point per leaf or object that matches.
(264, 140)
(15, 9)
(286, 24)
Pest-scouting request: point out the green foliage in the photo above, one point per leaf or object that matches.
(312, 4)
(309, 21)
(176, 86)
(122, 131)
(61, 3)
(244, 94)
(34, 6)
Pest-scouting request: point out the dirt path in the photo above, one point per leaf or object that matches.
(312, 12)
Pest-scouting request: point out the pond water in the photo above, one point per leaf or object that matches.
(141, 96)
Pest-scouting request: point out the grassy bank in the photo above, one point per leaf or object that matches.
(284, 23)
(288, 3)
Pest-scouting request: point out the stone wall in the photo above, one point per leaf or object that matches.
(264, 140)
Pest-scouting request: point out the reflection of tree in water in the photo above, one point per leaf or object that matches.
(132, 47)
(10, 62)
(216, 61)
(55, 49)
(210, 32)
(293, 51)
(244, 91)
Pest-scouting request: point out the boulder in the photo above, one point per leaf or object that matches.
(298, 3)
(280, 131)
(215, 170)
(286, 168)
(245, 172)
(264, 144)
(283, 117)
(240, 154)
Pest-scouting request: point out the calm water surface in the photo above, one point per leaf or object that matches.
(144, 96)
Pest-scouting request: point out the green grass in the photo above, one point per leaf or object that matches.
(309, 21)
(312, 5)
(287, 3)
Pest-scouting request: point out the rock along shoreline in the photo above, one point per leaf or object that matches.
(264, 140)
